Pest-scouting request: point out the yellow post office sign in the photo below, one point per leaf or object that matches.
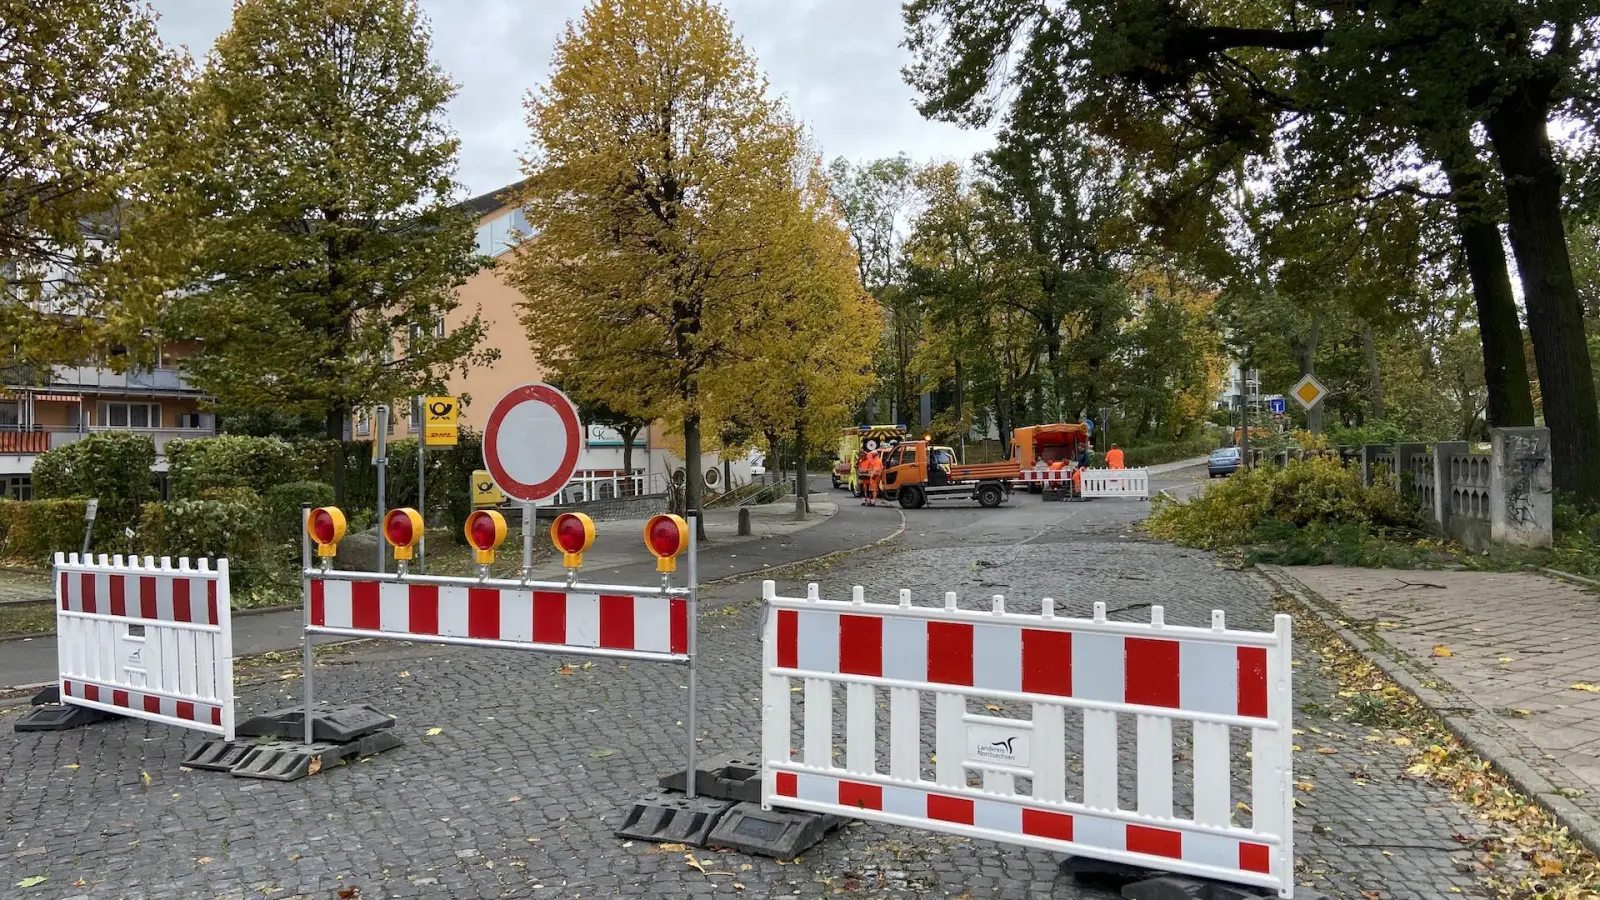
(439, 421)
(484, 491)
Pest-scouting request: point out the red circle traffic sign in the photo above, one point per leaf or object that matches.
(530, 444)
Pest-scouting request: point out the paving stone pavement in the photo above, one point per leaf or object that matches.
(518, 793)
(1518, 645)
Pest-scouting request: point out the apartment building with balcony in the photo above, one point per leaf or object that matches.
(43, 410)
(489, 293)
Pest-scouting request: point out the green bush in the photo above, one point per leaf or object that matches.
(33, 531)
(283, 508)
(232, 461)
(1318, 491)
(111, 466)
(207, 528)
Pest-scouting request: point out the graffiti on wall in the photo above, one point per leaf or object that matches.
(1522, 464)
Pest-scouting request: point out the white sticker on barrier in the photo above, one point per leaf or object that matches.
(1032, 671)
(147, 640)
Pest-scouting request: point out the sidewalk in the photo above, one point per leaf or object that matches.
(618, 557)
(1510, 660)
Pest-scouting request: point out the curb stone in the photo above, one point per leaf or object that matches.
(1583, 826)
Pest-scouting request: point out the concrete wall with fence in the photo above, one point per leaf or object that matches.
(1503, 496)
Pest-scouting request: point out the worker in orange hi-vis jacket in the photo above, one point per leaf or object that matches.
(1114, 457)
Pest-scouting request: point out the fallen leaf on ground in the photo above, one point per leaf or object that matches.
(1548, 866)
(349, 893)
(1506, 660)
(314, 766)
(80, 883)
(32, 881)
(588, 665)
(601, 754)
(1521, 713)
(513, 798)
(1371, 895)
(1387, 625)
(405, 674)
(1242, 806)
(1586, 686)
(565, 670)
(1402, 741)
(668, 848)
(992, 708)
(1442, 650)
(1304, 786)
(144, 777)
(70, 766)
(694, 863)
(1326, 751)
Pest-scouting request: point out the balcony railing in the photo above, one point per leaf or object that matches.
(161, 378)
(15, 439)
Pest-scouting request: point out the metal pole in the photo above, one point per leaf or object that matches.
(694, 628)
(305, 605)
(422, 495)
(380, 445)
(527, 541)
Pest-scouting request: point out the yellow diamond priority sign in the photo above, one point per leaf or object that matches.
(439, 415)
(1309, 391)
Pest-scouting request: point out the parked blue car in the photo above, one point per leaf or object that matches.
(1223, 462)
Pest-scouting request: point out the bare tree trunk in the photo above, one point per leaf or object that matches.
(1374, 374)
(335, 430)
(802, 498)
(1517, 130)
(691, 473)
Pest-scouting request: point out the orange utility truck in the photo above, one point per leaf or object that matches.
(912, 475)
(1050, 446)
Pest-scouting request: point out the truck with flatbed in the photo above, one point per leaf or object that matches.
(915, 472)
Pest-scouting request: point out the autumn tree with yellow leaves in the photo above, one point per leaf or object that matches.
(659, 196)
(814, 339)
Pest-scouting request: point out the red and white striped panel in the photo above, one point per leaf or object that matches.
(1190, 675)
(1049, 829)
(110, 695)
(179, 595)
(1046, 476)
(649, 624)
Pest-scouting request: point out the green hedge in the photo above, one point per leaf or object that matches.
(1156, 454)
(33, 531)
(207, 528)
(283, 508)
(111, 466)
(233, 461)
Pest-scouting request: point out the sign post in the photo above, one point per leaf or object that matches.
(380, 458)
(91, 507)
(439, 428)
(530, 450)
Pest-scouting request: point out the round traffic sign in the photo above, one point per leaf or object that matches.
(530, 443)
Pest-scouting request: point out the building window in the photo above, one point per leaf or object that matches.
(438, 326)
(130, 415)
(16, 487)
(363, 426)
(389, 427)
(190, 420)
(10, 414)
(414, 421)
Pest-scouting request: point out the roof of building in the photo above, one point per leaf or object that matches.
(493, 200)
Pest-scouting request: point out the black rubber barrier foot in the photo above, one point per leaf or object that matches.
(329, 724)
(50, 694)
(778, 833)
(725, 777)
(291, 762)
(673, 819)
(218, 755)
(61, 718)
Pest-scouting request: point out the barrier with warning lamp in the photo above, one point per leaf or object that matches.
(144, 639)
(1036, 670)
(571, 618)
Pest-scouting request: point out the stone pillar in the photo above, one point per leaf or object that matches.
(1369, 461)
(1520, 487)
(1442, 452)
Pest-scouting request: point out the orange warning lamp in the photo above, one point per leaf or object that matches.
(486, 531)
(666, 536)
(572, 533)
(326, 527)
(402, 528)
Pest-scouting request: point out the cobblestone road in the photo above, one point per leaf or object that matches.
(518, 793)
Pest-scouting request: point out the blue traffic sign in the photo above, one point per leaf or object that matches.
(1275, 404)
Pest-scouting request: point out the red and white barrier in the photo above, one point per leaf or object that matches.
(147, 640)
(508, 614)
(1214, 678)
(1126, 484)
(1047, 477)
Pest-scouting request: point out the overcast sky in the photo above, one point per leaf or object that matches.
(837, 62)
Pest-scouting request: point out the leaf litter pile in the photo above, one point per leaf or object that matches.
(1526, 854)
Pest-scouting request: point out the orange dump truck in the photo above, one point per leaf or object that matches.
(1048, 445)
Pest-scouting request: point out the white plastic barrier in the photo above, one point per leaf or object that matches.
(1129, 484)
(146, 640)
(1042, 667)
